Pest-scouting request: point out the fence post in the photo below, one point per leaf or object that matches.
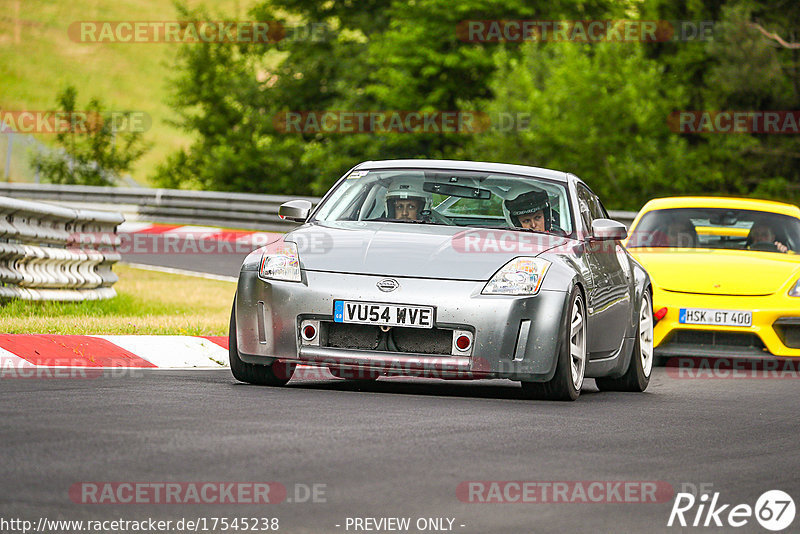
(10, 135)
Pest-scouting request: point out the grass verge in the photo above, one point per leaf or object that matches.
(147, 302)
(38, 58)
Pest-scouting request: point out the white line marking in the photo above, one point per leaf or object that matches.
(9, 359)
(133, 227)
(199, 230)
(172, 351)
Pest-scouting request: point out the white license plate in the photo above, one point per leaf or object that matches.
(715, 317)
(345, 311)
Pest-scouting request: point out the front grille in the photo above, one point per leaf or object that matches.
(711, 343)
(724, 339)
(353, 336)
(433, 341)
(397, 339)
(788, 330)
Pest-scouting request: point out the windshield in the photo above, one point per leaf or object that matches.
(452, 198)
(717, 228)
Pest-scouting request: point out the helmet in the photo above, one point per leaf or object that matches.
(407, 189)
(526, 203)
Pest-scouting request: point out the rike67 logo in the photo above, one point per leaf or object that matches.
(774, 510)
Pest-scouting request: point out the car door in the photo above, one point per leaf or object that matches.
(609, 303)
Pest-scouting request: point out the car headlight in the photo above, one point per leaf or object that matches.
(795, 291)
(281, 262)
(520, 276)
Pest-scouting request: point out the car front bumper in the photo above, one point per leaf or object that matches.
(513, 337)
(775, 328)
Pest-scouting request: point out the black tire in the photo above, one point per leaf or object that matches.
(562, 386)
(354, 373)
(637, 376)
(277, 374)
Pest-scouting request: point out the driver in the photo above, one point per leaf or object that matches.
(681, 234)
(530, 210)
(405, 201)
(763, 233)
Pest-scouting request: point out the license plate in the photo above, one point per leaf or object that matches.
(715, 317)
(382, 314)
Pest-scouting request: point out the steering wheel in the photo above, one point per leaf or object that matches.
(435, 216)
(764, 246)
(557, 230)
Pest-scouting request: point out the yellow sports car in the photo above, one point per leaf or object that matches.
(725, 275)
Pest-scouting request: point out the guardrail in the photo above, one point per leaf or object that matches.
(44, 256)
(177, 206)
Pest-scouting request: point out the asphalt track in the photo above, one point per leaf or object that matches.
(223, 259)
(394, 448)
(398, 447)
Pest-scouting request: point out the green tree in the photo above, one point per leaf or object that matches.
(380, 55)
(597, 110)
(738, 68)
(229, 96)
(753, 70)
(95, 147)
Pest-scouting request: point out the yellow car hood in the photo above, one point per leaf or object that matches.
(719, 271)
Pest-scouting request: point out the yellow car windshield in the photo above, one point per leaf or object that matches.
(717, 228)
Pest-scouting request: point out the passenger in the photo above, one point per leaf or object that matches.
(530, 210)
(681, 234)
(762, 234)
(405, 201)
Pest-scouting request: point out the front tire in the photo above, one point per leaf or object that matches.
(276, 374)
(571, 365)
(637, 377)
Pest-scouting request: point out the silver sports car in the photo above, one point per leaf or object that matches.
(448, 269)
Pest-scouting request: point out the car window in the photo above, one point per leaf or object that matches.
(602, 212)
(717, 228)
(469, 206)
(595, 207)
(445, 197)
(585, 206)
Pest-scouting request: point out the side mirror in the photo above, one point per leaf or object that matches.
(295, 210)
(607, 230)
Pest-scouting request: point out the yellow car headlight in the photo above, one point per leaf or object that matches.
(795, 291)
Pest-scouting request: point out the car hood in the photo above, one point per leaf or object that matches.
(413, 250)
(719, 271)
